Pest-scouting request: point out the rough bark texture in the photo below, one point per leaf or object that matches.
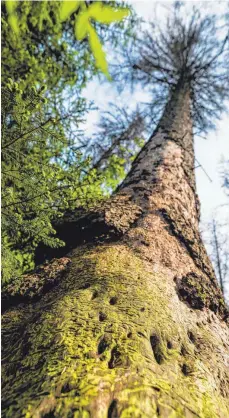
(136, 326)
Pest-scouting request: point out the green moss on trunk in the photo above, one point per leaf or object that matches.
(112, 340)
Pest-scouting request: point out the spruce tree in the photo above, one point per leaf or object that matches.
(136, 327)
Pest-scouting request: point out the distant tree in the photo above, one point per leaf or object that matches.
(122, 134)
(216, 235)
(219, 252)
(225, 175)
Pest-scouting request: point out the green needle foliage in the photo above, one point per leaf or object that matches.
(45, 171)
(43, 175)
(97, 11)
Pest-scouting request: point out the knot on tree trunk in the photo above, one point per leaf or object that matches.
(200, 293)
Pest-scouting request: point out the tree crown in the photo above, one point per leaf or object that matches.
(193, 49)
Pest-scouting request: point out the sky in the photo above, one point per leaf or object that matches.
(209, 151)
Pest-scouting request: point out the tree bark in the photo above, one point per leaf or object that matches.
(137, 326)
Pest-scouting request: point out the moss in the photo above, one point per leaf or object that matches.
(74, 352)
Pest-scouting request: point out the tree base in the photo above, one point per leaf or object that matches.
(113, 339)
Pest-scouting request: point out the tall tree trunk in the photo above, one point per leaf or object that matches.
(137, 325)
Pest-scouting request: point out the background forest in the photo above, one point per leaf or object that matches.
(70, 129)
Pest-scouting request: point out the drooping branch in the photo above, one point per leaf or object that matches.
(121, 132)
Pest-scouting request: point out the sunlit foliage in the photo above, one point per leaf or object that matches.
(42, 175)
(44, 168)
(83, 28)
